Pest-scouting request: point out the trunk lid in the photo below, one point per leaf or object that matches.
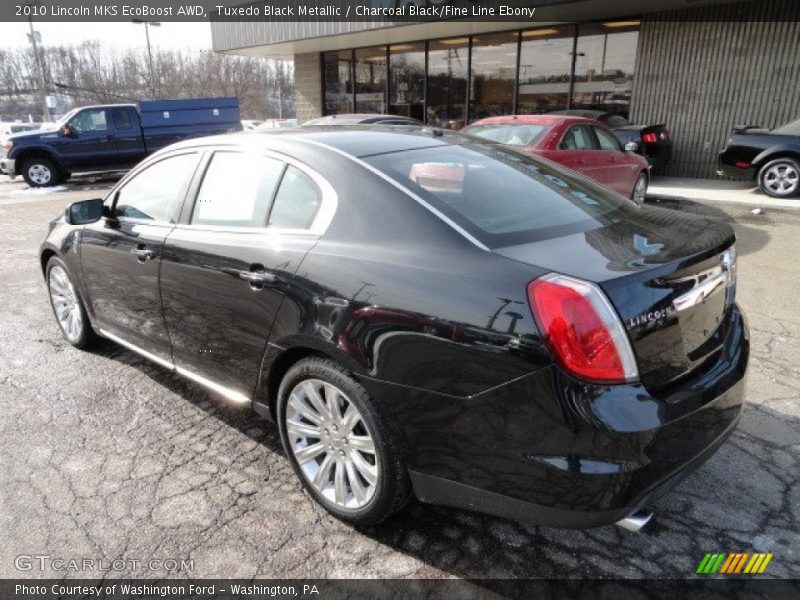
(668, 275)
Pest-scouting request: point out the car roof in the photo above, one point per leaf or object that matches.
(356, 118)
(580, 112)
(355, 140)
(548, 119)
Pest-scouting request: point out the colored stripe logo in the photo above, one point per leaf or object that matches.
(734, 564)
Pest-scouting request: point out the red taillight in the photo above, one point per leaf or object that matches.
(650, 138)
(742, 164)
(581, 329)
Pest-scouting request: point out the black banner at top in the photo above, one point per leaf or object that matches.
(523, 12)
(273, 10)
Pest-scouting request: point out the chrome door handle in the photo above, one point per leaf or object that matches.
(258, 277)
(143, 254)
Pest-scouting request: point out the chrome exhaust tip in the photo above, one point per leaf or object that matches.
(637, 520)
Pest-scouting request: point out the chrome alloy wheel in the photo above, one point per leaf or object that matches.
(332, 444)
(782, 179)
(65, 303)
(40, 174)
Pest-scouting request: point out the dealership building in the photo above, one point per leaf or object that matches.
(699, 66)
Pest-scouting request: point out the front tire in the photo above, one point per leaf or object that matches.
(40, 172)
(340, 444)
(780, 178)
(67, 305)
(639, 193)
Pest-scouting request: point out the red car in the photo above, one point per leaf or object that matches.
(583, 145)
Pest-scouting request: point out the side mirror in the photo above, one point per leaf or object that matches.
(84, 212)
(631, 147)
(67, 131)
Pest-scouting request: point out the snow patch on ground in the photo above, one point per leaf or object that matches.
(38, 191)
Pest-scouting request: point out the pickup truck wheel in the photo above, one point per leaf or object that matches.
(40, 172)
(780, 178)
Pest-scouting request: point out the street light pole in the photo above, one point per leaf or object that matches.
(147, 26)
(39, 68)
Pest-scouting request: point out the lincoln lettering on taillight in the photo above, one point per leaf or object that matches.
(581, 329)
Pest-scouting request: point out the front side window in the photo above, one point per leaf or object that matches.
(236, 190)
(579, 137)
(297, 201)
(607, 140)
(153, 193)
(89, 120)
(500, 196)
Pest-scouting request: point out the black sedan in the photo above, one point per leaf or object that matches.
(769, 156)
(654, 141)
(423, 313)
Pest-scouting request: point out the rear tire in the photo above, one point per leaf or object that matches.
(68, 306)
(780, 178)
(340, 444)
(40, 172)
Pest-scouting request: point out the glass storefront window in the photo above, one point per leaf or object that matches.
(407, 80)
(604, 66)
(447, 83)
(545, 66)
(338, 77)
(494, 72)
(371, 80)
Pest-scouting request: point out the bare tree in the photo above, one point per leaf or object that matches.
(91, 73)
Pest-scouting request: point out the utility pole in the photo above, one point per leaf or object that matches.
(39, 67)
(147, 26)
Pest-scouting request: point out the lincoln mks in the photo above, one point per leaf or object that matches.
(518, 340)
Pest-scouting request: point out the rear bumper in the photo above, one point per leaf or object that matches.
(658, 156)
(7, 166)
(730, 170)
(548, 449)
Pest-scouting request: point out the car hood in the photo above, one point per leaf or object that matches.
(32, 136)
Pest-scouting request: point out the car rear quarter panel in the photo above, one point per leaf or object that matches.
(398, 295)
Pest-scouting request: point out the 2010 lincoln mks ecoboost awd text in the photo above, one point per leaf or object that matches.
(518, 340)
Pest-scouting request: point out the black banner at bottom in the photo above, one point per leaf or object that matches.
(402, 589)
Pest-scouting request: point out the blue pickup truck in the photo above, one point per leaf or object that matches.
(113, 136)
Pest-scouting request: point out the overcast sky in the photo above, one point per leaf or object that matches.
(195, 36)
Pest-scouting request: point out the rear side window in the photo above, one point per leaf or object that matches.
(153, 193)
(607, 140)
(297, 201)
(122, 119)
(500, 196)
(513, 135)
(236, 190)
(579, 137)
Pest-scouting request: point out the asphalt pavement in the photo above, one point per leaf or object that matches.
(104, 455)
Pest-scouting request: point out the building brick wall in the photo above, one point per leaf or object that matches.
(307, 86)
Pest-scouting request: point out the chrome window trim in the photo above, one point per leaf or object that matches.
(468, 236)
(329, 200)
(232, 395)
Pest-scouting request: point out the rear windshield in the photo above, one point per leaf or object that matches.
(615, 121)
(792, 128)
(500, 196)
(513, 135)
